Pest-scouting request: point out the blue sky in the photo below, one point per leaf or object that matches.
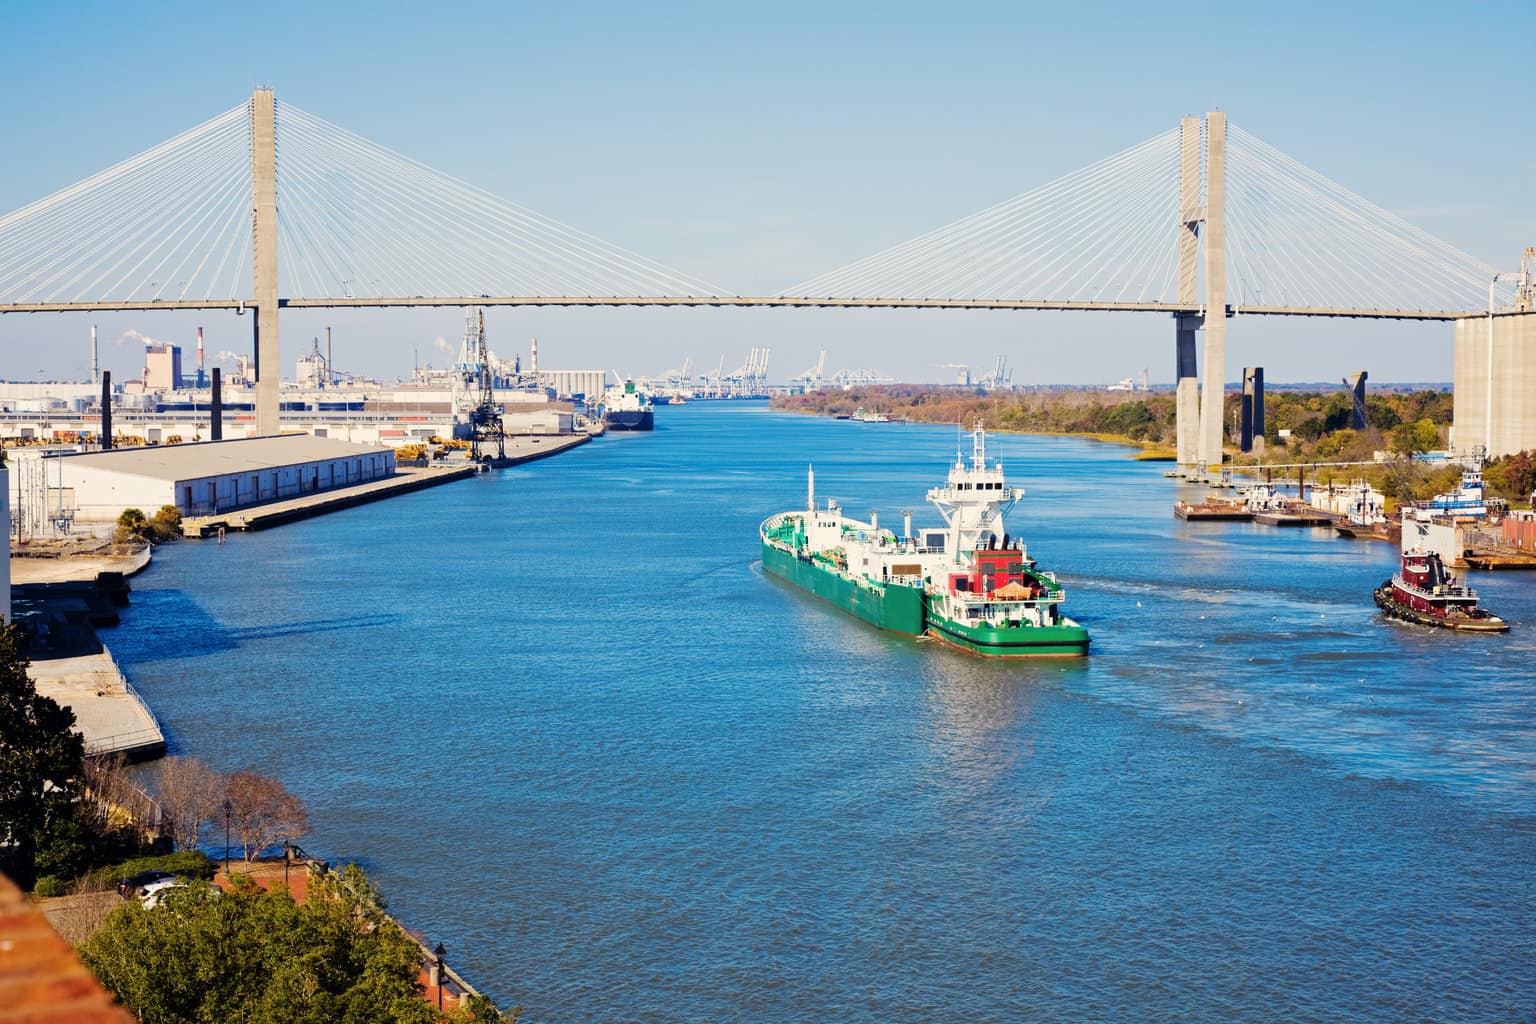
(758, 146)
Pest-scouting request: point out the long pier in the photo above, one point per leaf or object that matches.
(259, 517)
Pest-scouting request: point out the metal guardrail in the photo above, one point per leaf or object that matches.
(124, 741)
(137, 737)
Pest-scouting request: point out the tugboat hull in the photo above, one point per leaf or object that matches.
(1068, 640)
(1462, 624)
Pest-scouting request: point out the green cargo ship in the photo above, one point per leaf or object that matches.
(968, 584)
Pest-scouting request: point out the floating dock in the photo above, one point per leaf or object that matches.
(1295, 516)
(1212, 510)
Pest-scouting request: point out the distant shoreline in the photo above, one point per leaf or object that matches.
(1146, 451)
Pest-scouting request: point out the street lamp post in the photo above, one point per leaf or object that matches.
(438, 956)
(228, 808)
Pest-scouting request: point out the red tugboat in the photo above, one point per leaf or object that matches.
(1424, 592)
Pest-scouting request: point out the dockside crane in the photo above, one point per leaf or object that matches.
(485, 424)
(812, 375)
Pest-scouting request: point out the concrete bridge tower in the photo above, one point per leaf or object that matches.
(1199, 413)
(264, 261)
(1213, 387)
(1186, 376)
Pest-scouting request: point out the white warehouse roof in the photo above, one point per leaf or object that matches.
(219, 458)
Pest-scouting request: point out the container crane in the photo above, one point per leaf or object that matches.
(812, 375)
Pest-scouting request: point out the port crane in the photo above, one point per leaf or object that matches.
(1001, 378)
(811, 376)
(485, 426)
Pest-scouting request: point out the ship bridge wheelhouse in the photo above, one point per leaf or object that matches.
(974, 499)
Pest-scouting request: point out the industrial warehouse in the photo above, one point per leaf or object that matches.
(211, 477)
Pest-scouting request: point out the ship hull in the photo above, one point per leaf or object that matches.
(1068, 640)
(1395, 610)
(898, 608)
(890, 606)
(643, 419)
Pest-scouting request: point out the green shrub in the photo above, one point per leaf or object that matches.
(164, 525)
(190, 863)
(50, 885)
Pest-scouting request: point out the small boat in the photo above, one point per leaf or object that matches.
(861, 416)
(1424, 591)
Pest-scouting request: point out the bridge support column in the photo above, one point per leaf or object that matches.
(1213, 391)
(1187, 396)
(264, 262)
(1251, 434)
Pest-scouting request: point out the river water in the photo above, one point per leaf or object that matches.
(573, 732)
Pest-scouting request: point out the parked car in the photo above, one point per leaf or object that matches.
(134, 885)
(155, 891)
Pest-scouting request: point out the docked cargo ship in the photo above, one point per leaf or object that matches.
(626, 407)
(969, 584)
(1425, 592)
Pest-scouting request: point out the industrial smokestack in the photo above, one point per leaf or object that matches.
(95, 363)
(199, 355)
(533, 358)
(106, 410)
(216, 409)
(330, 374)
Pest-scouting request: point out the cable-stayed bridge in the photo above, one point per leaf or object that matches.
(267, 207)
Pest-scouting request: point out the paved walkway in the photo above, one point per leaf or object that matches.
(111, 717)
(74, 568)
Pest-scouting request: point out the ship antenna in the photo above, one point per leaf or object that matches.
(810, 488)
(979, 446)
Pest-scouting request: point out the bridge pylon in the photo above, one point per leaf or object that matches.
(1198, 415)
(264, 259)
(1186, 374)
(1213, 387)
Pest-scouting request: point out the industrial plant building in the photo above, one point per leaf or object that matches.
(1495, 399)
(213, 476)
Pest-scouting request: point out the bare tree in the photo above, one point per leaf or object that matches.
(262, 812)
(190, 793)
(111, 800)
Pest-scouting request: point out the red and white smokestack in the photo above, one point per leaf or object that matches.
(533, 360)
(199, 353)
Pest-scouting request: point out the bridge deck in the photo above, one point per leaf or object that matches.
(765, 301)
